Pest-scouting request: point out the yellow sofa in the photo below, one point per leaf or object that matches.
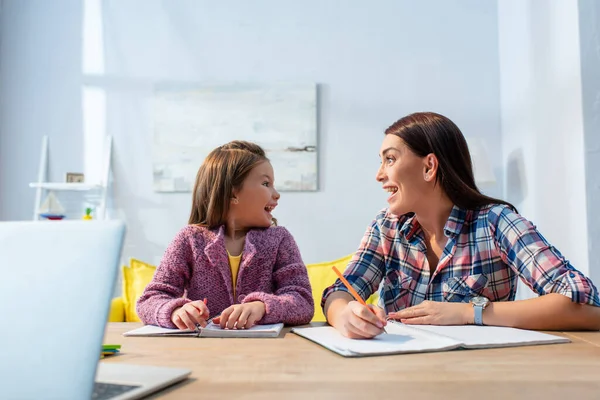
(138, 274)
(135, 277)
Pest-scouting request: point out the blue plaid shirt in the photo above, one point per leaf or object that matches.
(487, 250)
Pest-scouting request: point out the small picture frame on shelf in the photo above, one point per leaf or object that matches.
(74, 177)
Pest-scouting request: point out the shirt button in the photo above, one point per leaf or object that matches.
(571, 274)
(241, 297)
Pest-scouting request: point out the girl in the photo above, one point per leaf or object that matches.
(449, 255)
(230, 260)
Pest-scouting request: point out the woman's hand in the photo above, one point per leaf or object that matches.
(190, 314)
(241, 316)
(435, 313)
(358, 322)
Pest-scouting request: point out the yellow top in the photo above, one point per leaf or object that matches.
(234, 263)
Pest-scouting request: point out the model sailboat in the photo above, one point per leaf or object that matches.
(51, 208)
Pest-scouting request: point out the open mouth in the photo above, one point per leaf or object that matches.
(269, 209)
(392, 190)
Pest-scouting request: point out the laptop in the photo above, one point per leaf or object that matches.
(56, 283)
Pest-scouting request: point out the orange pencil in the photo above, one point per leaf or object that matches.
(205, 301)
(213, 318)
(353, 292)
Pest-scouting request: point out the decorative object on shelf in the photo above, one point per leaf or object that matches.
(88, 214)
(51, 208)
(74, 177)
(96, 186)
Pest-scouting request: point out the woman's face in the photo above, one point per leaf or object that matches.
(403, 174)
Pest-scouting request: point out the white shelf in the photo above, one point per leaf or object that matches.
(65, 186)
(100, 187)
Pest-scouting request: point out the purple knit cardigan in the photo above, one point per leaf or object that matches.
(195, 266)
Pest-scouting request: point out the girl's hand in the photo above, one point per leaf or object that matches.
(241, 316)
(190, 314)
(358, 322)
(435, 313)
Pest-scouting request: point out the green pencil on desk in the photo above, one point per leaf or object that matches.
(110, 349)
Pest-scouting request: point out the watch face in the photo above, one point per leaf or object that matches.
(479, 301)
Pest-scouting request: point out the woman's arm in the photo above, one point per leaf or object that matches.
(364, 272)
(334, 304)
(549, 312)
(568, 299)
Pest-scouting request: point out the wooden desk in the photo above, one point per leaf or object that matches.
(293, 367)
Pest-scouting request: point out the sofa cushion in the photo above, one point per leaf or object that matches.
(135, 279)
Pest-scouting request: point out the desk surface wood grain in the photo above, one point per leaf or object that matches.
(293, 367)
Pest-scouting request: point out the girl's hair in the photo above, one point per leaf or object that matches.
(223, 170)
(427, 132)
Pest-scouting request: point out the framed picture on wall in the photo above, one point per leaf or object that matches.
(189, 121)
(74, 177)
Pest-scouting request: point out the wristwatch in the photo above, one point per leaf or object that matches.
(479, 303)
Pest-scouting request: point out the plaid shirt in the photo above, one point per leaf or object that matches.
(487, 250)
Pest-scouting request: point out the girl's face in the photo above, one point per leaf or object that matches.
(403, 174)
(252, 205)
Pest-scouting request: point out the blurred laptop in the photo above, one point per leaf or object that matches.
(56, 283)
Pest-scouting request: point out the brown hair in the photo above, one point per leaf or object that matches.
(223, 170)
(426, 133)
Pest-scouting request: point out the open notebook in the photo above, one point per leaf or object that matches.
(211, 331)
(403, 338)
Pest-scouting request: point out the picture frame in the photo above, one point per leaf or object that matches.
(74, 177)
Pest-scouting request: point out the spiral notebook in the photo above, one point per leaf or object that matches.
(403, 338)
(210, 331)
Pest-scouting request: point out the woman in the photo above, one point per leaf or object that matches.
(449, 255)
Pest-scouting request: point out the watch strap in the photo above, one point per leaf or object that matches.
(478, 315)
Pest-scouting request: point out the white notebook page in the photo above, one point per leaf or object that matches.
(474, 336)
(215, 330)
(152, 330)
(399, 339)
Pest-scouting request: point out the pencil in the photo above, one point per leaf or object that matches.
(353, 292)
(198, 327)
(208, 321)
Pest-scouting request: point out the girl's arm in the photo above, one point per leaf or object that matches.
(292, 302)
(164, 293)
(568, 299)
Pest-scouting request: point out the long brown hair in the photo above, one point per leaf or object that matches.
(223, 170)
(426, 133)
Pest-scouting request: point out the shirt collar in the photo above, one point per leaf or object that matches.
(409, 227)
(456, 220)
(453, 226)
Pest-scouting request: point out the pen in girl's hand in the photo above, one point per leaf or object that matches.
(198, 327)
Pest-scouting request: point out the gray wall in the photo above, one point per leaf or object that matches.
(40, 75)
(374, 62)
(589, 26)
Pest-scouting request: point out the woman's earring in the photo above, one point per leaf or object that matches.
(235, 201)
